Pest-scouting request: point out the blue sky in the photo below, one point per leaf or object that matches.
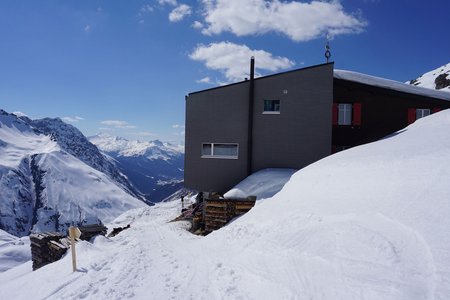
(124, 67)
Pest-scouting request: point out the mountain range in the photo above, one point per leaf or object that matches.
(52, 177)
(155, 168)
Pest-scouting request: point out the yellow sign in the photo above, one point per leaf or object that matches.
(76, 233)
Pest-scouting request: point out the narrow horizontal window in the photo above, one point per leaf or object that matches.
(271, 107)
(220, 150)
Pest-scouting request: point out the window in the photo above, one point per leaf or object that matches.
(218, 150)
(417, 113)
(207, 150)
(345, 114)
(420, 113)
(271, 107)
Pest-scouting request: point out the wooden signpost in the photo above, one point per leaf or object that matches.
(74, 233)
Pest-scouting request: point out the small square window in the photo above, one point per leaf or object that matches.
(271, 107)
(345, 114)
(207, 150)
(420, 113)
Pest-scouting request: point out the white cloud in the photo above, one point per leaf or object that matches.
(206, 79)
(233, 60)
(145, 9)
(72, 119)
(118, 124)
(177, 126)
(299, 21)
(179, 13)
(197, 25)
(170, 2)
(87, 28)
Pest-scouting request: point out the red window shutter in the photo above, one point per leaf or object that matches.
(411, 115)
(435, 110)
(335, 113)
(356, 113)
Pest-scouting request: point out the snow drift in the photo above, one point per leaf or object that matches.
(13, 251)
(262, 184)
(367, 223)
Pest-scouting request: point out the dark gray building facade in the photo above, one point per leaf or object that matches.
(290, 120)
(290, 127)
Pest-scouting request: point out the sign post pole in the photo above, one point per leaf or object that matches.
(74, 233)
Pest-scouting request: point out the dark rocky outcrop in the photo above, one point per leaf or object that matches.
(441, 81)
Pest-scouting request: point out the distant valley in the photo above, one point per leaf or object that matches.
(52, 176)
(155, 168)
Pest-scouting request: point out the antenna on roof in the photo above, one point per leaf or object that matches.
(327, 50)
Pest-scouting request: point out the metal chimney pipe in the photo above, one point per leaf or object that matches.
(251, 100)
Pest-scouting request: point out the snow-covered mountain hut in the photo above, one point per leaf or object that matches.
(292, 119)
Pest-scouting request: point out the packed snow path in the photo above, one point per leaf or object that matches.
(247, 260)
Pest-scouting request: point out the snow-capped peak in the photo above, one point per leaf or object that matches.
(438, 79)
(18, 139)
(122, 147)
(51, 176)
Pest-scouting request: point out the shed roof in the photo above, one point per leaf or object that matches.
(390, 84)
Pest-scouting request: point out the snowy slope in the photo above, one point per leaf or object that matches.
(44, 187)
(437, 79)
(154, 167)
(367, 223)
(72, 141)
(13, 251)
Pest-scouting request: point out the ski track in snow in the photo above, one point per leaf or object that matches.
(344, 257)
(109, 274)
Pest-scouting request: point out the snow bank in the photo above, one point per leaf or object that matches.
(368, 223)
(262, 184)
(13, 251)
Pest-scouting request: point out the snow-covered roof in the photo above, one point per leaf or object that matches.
(390, 84)
(262, 184)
